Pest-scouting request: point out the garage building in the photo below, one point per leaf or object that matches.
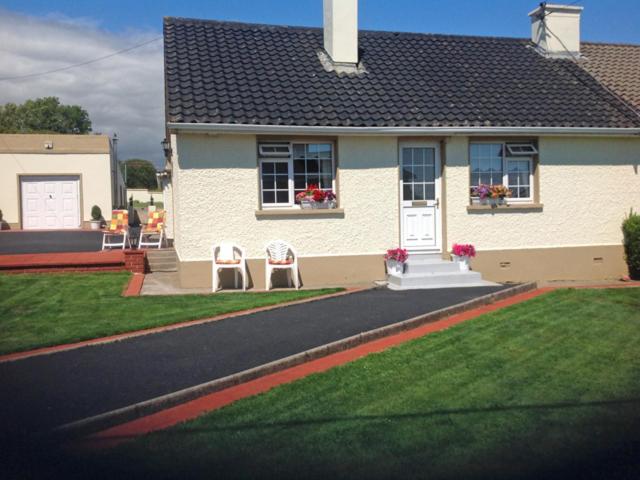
(51, 181)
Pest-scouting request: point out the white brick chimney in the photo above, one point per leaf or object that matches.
(341, 30)
(555, 29)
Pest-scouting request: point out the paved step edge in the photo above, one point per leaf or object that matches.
(147, 407)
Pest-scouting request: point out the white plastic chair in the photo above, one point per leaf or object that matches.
(228, 255)
(281, 256)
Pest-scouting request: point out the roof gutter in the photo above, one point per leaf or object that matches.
(215, 128)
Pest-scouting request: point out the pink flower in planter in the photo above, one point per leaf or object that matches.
(463, 250)
(397, 254)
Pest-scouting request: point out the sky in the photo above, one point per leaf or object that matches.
(124, 93)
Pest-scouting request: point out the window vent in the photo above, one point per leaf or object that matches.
(274, 149)
(521, 149)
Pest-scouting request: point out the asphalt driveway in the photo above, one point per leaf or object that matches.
(18, 242)
(40, 393)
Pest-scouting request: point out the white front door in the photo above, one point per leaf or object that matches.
(50, 202)
(420, 227)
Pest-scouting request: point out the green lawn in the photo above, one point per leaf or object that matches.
(40, 310)
(545, 389)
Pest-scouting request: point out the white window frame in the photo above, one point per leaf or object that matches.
(288, 159)
(505, 173)
(262, 152)
(529, 159)
(529, 149)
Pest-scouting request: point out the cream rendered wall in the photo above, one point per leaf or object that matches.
(587, 185)
(215, 188)
(95, 181)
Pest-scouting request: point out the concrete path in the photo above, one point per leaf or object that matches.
(41, 393)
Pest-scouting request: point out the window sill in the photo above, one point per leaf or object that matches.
(300, 212)
(528, 207)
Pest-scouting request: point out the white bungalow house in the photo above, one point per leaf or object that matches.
(404, 128)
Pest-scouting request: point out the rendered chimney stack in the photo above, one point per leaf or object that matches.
(341, 30)
(555, 29)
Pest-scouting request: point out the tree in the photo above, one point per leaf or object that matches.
(43, 115)
(140, 173)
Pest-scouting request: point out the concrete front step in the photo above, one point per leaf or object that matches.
(163, 267)
(162, 260)
(431, 271)
(436, 280)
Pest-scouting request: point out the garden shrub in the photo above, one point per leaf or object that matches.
(631, 232)
(96, 213)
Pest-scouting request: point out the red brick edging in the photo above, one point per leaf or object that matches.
(194, 408)
(134, 286)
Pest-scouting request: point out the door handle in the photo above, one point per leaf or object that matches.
(437, 203)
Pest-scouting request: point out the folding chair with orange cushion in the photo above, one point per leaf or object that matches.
(118, 227)
(154, 226)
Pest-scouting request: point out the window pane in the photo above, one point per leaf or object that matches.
(300, 182)
(418, 173)
(407, 192)
(429, 156)
(406, 174)
(475, 179)
(325, 181)
(298, 151)
(315, 180)
(282, 197)
(268, 197)
(282, 167)
(430, 191)
(267, 167)
(268, 182)
(406, 156)
(282, 182)
(430, 173)
(313, 166)
(325, 167)
(324, 150)
(312, 150)
(298, 166)
(418, 192)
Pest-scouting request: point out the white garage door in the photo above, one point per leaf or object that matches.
(50, 202)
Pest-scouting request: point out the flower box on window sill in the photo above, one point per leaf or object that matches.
(299, 212)
(477, 207)
(323, 205)
(488, 201)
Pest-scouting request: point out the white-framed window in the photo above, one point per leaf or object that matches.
(283, 177)
(518, 149)
(495, 164)
(274, 149)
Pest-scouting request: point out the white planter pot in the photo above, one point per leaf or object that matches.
(394, 267)
(306, 204)
(463, 263)
(95, 224)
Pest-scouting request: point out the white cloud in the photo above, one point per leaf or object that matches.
(122, 94)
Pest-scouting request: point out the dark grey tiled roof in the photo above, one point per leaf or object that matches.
(222, 72)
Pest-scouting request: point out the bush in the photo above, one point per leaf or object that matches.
(96, 213)
(631, 232)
